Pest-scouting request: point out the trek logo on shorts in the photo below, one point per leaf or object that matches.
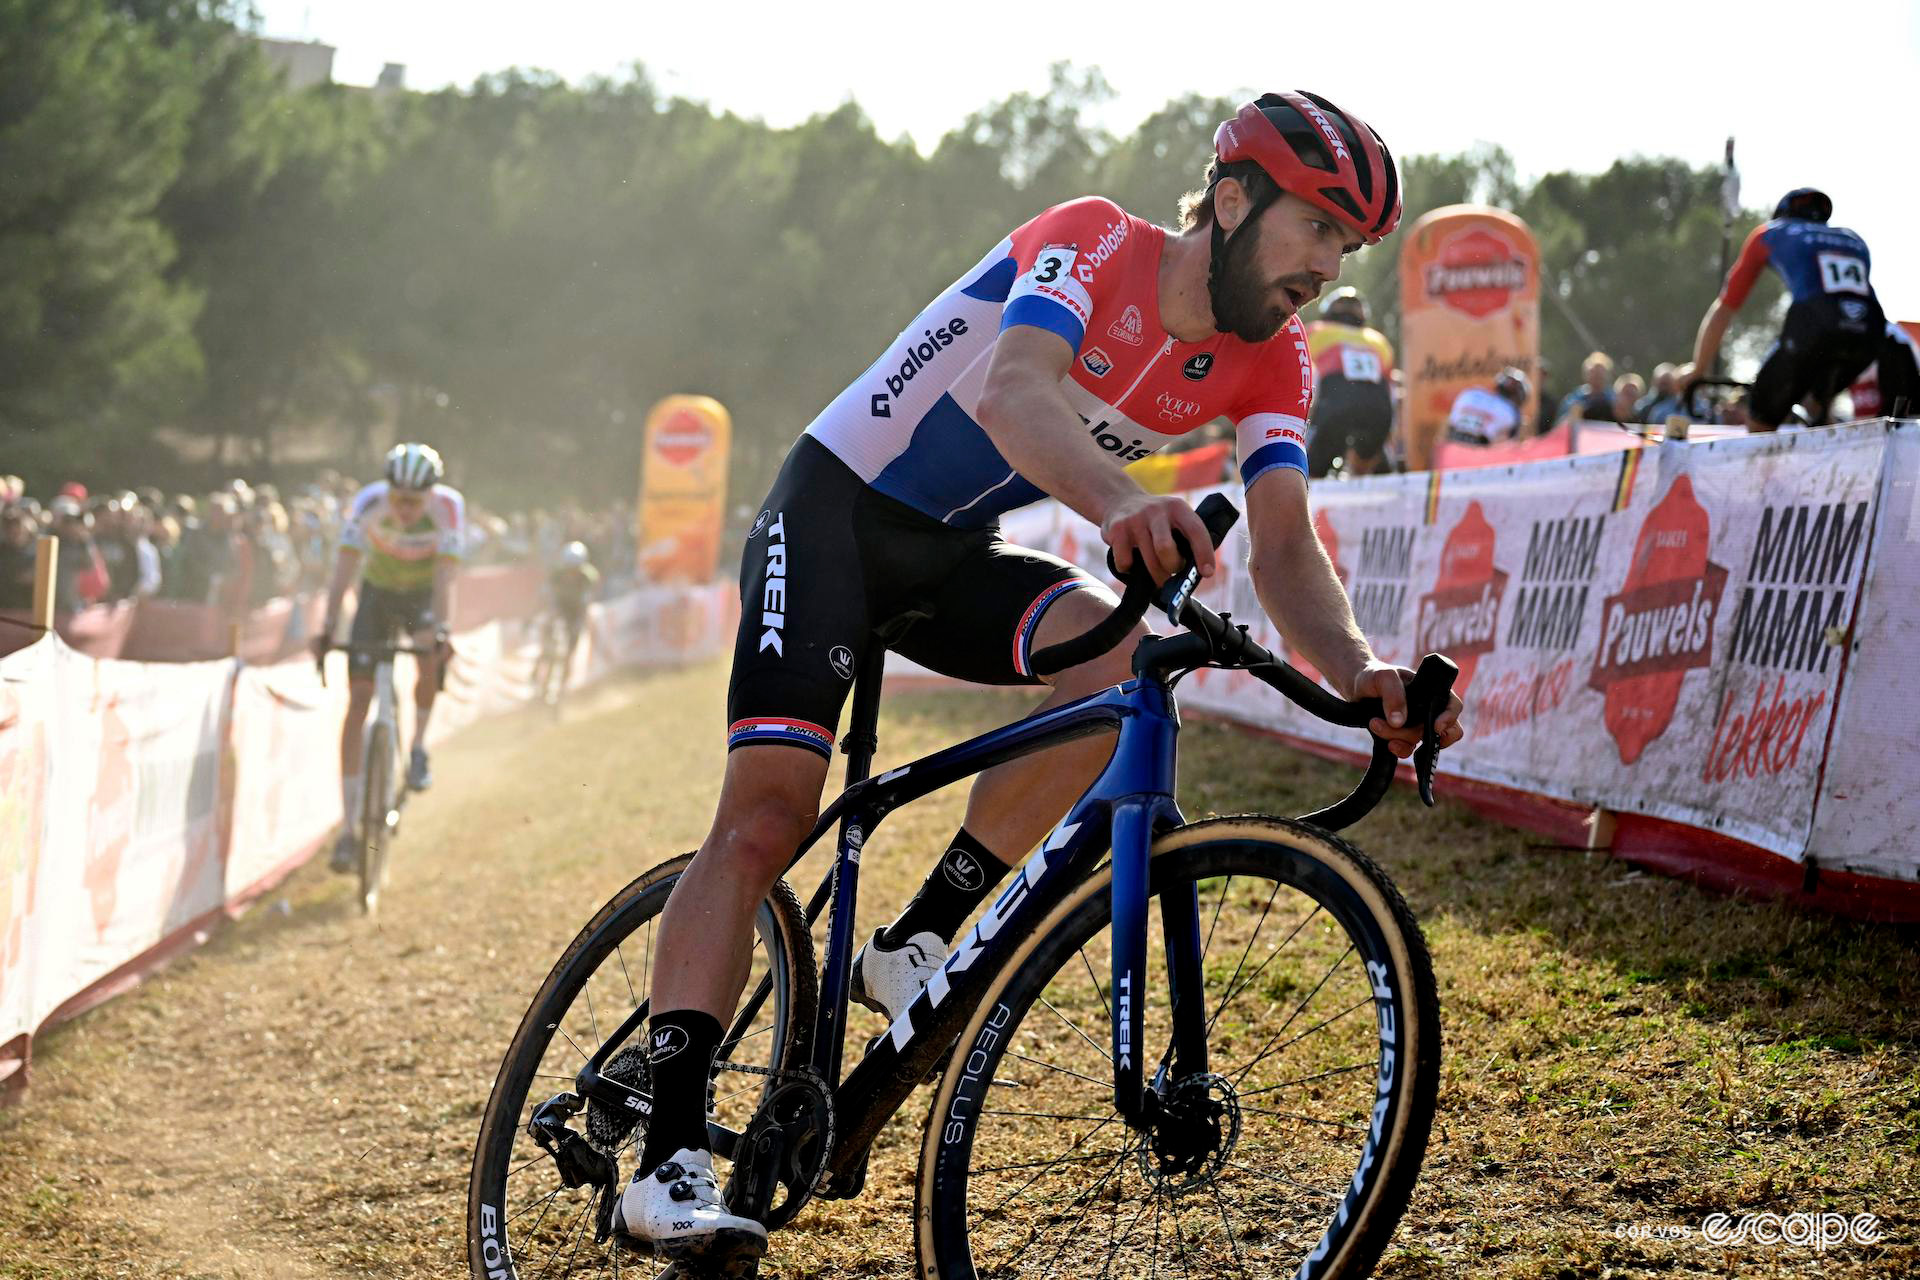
(773, 599)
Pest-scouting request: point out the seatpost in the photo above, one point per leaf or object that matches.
(863, 735)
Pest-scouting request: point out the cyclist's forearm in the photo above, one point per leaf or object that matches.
(346, 567)
(1037, 431)
(445, 570)
(1713, 331)
(1302, 595)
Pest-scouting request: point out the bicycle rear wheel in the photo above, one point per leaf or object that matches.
(1293, 1153)
(375, 801)
(521, 1220)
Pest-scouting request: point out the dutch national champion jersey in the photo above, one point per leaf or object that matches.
(1089, 272)
(1814, 259)
(400, 557)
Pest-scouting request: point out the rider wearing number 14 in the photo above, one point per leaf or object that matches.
(1086, 338)
(1833, 330)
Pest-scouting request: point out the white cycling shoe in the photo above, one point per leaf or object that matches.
(887, 979)
(675, 1211)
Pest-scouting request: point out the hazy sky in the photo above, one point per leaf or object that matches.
(1816, 94)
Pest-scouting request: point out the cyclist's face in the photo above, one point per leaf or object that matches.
(1278, 264)
(407, 503)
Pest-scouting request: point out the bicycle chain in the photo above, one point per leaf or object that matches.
(804, 1075)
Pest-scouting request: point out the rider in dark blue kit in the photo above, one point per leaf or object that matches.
(1833, 329)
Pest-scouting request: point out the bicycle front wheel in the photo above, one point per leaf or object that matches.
(375, 801)
(522, 1220)
(1293, 1149)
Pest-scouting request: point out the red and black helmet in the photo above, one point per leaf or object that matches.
(1320, 153)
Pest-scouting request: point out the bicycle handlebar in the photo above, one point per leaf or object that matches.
(1218, 514)
(1213, 639)
(378, 651)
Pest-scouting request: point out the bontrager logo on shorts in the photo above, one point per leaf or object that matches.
(773, 600)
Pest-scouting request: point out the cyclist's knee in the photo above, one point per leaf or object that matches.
(1076, 612)
(767, 806)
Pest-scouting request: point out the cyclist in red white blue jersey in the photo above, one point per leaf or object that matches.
(1084, 339)
(1834, 326)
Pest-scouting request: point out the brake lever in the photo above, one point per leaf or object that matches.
(1427, 698)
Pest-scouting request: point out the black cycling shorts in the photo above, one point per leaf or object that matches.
(831, 563)
(1347, 415)
(1825, 344)
(381, 617)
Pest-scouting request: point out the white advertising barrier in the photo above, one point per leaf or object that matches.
(133, 808)
(182, 790)
(1868, 812)
(1657, 632)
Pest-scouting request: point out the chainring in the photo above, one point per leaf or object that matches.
(800, 1105)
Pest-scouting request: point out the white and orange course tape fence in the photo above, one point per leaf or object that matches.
(141, 802)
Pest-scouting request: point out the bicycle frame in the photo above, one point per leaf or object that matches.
(1127, 806)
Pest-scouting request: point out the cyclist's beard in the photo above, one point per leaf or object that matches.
(1244, 307)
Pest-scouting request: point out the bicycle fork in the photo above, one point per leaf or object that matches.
(1135, 1096)
(1146, 750)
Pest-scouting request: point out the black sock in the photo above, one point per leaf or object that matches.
(958, 883)
(682, 1044)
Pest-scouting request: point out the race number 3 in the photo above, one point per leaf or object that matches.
(1842, 273)
(1052, 263)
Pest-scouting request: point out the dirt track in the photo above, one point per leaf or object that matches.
(300, 1098)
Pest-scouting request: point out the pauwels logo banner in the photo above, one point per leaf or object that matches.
(1678, 655)
(1460, 617)
(1470, 307)
(683, 489)
(1660, 625)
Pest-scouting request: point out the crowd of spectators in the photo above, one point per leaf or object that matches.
(1603, 397)
(244, 544)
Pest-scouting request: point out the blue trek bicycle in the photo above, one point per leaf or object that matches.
(1199, 1047)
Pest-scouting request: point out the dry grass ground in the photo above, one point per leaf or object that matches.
(300, 1098)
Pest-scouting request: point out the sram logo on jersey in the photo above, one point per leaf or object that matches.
(919, 356)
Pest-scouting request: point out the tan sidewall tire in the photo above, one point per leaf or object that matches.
(1419, 1034)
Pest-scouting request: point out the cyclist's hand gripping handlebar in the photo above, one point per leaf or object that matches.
(1218, 514)
(1215, 640)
